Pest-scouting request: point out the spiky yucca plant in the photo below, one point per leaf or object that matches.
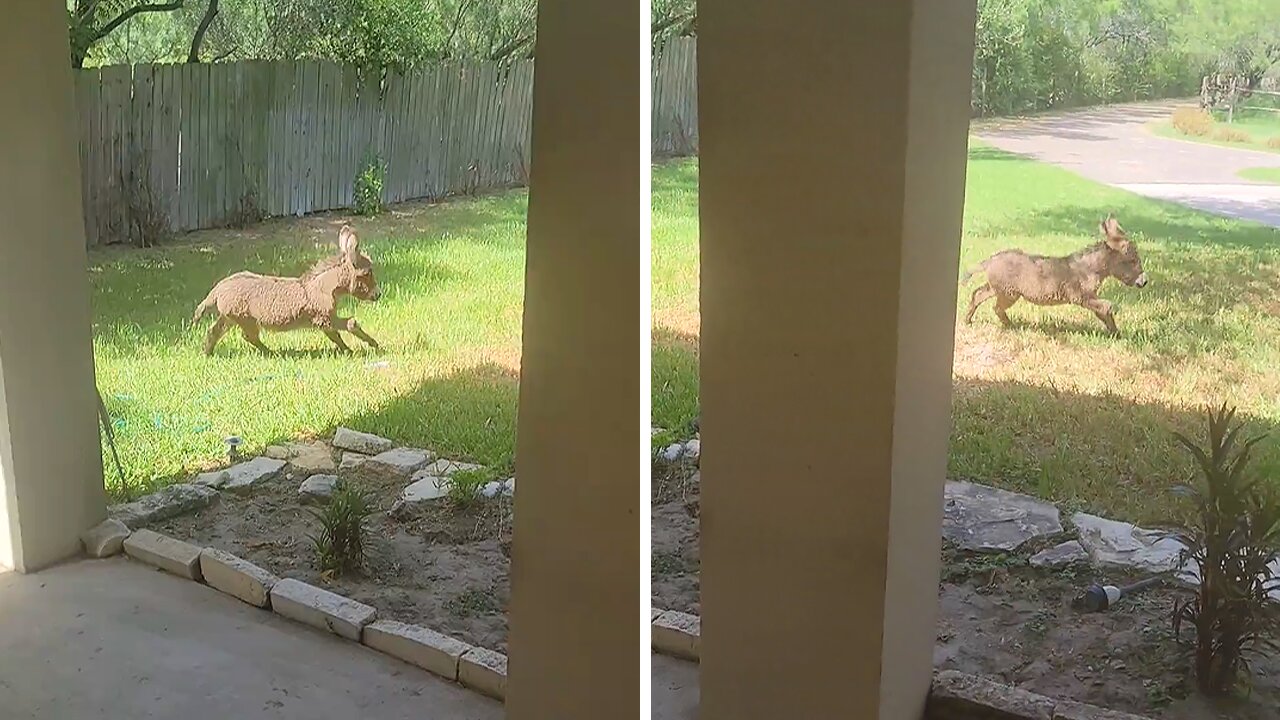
(340, 543)
(1233, 538)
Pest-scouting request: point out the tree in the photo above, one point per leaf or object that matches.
(87, 23)
(211, 11)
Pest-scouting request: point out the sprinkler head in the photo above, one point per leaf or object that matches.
(1097, 598)
(233, 447)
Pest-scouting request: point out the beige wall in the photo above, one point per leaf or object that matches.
(50, 457)
(575, 607)
(832, 176)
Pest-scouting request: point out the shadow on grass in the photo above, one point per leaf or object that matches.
(1105, 454)
(467, 415)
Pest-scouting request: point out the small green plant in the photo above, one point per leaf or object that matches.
(1233, 538)
(340, 543)
(368, 186)
(464, 486)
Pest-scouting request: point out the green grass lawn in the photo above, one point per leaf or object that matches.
(449, 322)
(1054, 407)
(1261, 174)
(1259, 125)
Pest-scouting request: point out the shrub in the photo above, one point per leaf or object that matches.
(1233, 538)
(368, 186)
(340, 543)
(248, 211)
(1192, 121)
(1274, 143)
(1232, 135)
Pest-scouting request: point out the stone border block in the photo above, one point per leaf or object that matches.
(1079, 711)
(105, 539)
(485, 671)
(238, 578)
(173, 556)
(678, 634)
(321, 609)
(422, 647)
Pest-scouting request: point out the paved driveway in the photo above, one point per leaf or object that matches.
(1113, 145)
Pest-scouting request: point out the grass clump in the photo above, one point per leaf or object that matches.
(340, 543)
(1193, 121)
(1232, 135)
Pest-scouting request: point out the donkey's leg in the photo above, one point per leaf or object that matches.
(1003, 303)
(980, 295)
(336, 338)
(1103, 310)
(215, 333)
(351, 326)
(250, 329)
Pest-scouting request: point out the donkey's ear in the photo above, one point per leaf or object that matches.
(347, 240)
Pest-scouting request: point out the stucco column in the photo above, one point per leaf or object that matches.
(832, 186)
(575, 606)
(50, 456)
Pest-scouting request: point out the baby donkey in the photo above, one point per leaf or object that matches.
(1013, 275)
(255, 301)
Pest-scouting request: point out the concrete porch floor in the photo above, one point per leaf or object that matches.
(117, 639)
(675, 689)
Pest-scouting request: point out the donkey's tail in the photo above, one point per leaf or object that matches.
(981, 267)
(204, 307)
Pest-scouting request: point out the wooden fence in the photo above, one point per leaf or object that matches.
(200, 145)
(675, 98)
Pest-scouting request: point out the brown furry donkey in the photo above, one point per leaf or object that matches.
(1074, 279)
(255, 301)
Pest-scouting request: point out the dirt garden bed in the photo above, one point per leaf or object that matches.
(1004, 619)
(441, 566)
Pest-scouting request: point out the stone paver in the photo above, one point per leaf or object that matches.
(399, 461)
(485, 671)
(423, 489)
(320, 608)
(104, 539)
(445, 468)
(318, 488)
(244, 476)
(168, 554)
(169, 502)
(346, 439)
(238, 578)
(1112, 543)
(1114, 145)
(423, 647)
(352, 460)
(956, 694)
(1067, 553)
(981, 518)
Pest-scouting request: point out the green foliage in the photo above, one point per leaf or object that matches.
(340, 543)
(464, 486)
(368, 186)
(1234, 537)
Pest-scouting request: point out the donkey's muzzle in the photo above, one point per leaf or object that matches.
(1141, 281)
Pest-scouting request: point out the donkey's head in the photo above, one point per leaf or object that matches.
(1122, 261)
(357, 269)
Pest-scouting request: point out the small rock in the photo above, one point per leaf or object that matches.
(509, 487)
(693, 449)
(491, 489)
(277, 452)
(1068, 553)
(1112, 543)
(313, 457)
(981, 518)
(164, 504)
(352, 460)
(244, 476)
(424, 488)
(400, 461)
(672, 452)
(104, 539)
(360, 442)
(318, 488)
